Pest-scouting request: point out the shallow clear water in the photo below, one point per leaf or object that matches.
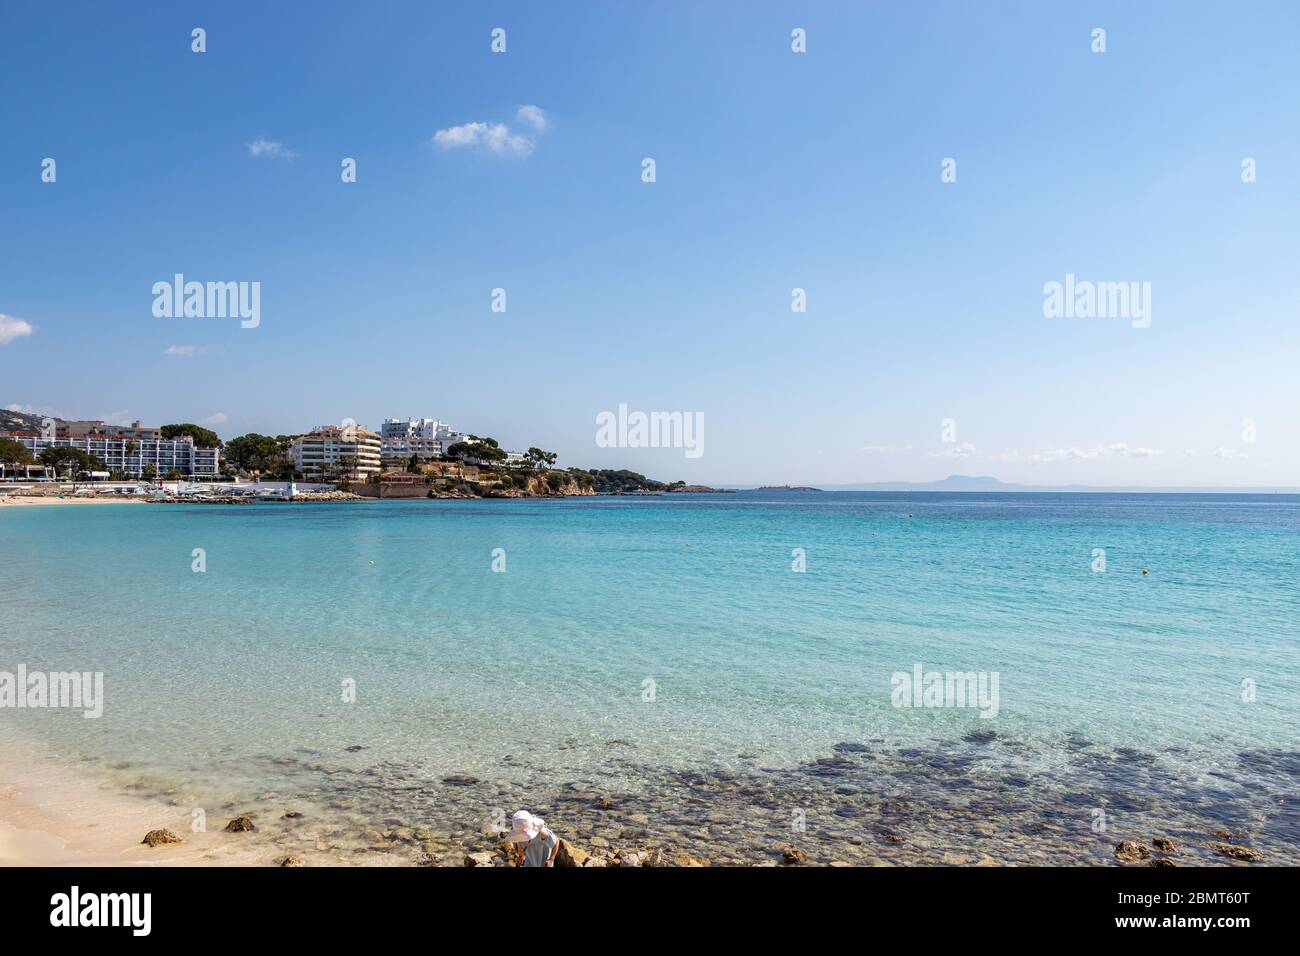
(227, 683)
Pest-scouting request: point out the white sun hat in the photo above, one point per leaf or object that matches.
(524, 827)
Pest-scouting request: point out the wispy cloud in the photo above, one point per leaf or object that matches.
(218, 418)
(495, 137)
(1229, 453)
(185, 351)
(12, 328)
(533, 116)
(964, 450)
(1120, 449)
(122, 417)
(883, 449)
(266, 147)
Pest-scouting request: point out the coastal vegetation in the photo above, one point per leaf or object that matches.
(12, 453)
(261, 455)
(203, 437)
(70, 461)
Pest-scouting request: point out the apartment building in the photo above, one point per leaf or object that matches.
(425, 438)
(331, 451)
(128, 451)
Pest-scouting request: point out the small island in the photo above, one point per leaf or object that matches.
(786, 488)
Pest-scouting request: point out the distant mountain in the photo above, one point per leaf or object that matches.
(21, 421)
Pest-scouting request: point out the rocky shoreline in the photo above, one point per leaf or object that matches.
(863, 805)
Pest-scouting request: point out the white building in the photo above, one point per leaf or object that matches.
(332, 451)
(424, 438)
(131, 454)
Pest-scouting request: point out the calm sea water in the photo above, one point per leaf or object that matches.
(1116, 689)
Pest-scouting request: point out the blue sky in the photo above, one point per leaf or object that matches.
(775, 170)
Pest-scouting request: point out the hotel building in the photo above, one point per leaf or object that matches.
(128, 450)
(425, 438)
(329, 451)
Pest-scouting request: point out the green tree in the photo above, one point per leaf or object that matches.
(203, 437)
(257, 453)
(71, 460)
(537, 458)
(12, 453)
(484, 450)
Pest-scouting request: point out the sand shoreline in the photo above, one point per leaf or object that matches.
(53, 815)
(19, 501)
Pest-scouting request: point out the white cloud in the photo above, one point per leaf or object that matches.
(1229, 453)
(265, 147)
(496, 137)
(533, 116)
(1012, 455)
(218, 418)
(883, 449)
(185, 351)
(1121, 449)
(122, 417)
(15, 407)
(11, 328)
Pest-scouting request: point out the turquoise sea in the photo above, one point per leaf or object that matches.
(653, 670)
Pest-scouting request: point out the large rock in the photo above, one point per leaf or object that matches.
(793, 855)
(1130, 851)
(570, 855)
(161, 838)
(241, 824)
(1237, 852)
(682, 858)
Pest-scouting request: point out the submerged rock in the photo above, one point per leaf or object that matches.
(482, 858)
(1130, 851)
(793, 855)
(1165, 845)
(460, 780)
(241, 824)
(161, 838)
(292, 861)
(1237, 852)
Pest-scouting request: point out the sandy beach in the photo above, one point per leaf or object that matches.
(51, 817)
(20, 501)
